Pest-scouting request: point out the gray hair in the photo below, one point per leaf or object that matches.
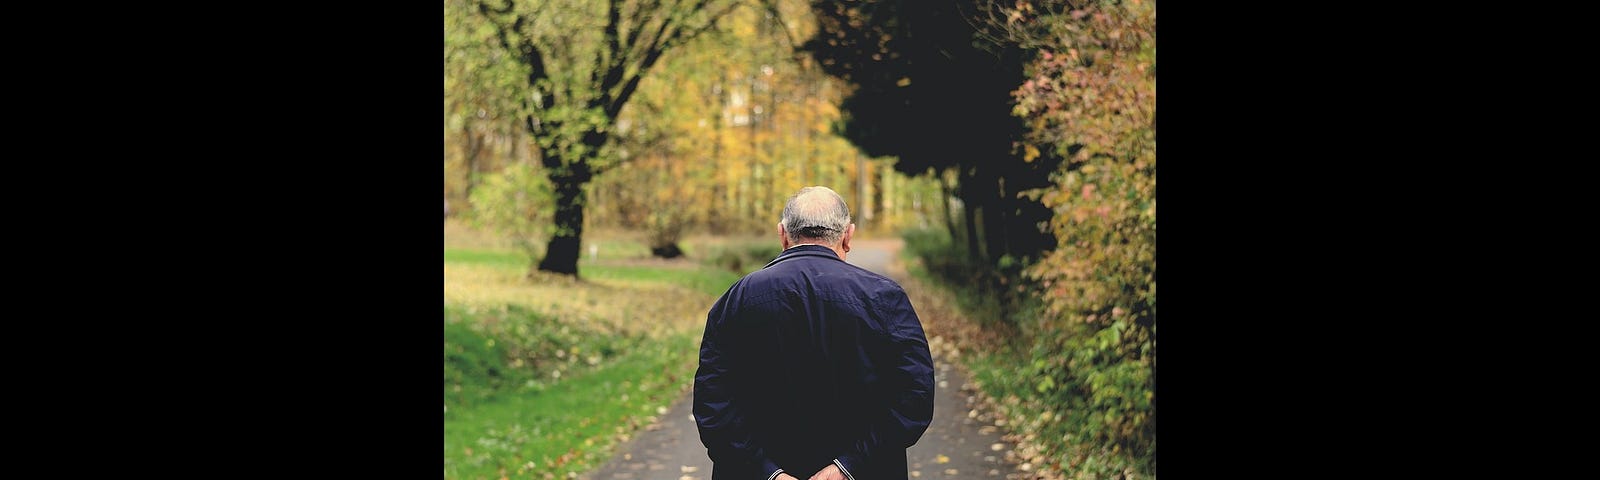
(815, 213)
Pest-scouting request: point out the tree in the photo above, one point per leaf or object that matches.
(929, 94)
(581, 62)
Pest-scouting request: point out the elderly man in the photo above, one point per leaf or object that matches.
(812, 367)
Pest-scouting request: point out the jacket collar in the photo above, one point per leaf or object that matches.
(804, 251)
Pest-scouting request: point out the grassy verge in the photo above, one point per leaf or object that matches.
(567, 424)
(709, 281)
(1016, 364)
(544, 376)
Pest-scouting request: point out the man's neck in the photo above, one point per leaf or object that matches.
(837, 251)
(817, 244)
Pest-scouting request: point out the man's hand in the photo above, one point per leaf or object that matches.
(784, 476)
(830, 473)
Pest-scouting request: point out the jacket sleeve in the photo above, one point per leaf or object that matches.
(718, 412)
(908, 396)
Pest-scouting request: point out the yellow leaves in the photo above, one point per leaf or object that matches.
(941, 458)
(903, 82)
(1029, 152)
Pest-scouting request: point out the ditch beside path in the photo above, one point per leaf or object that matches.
(955, 446)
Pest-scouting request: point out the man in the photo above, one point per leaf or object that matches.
(812, 367)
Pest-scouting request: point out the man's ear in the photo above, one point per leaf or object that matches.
(783, 238)
(849, 231)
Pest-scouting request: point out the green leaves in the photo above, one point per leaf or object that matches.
(515, 202)
(1090, 99)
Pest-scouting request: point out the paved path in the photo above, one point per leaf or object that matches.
(671, 450)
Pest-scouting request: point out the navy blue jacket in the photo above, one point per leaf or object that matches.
(811, 361)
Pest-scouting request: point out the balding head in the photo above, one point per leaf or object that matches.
(816, 214)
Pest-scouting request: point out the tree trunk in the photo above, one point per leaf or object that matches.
(944, 199)
(969, 208)
(994, 225)
(863, 204)
(975, 195)
(999, 237)
(475, 144)
(561, 254)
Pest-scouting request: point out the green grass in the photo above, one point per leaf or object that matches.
(947, 260)
(498, 258)
(510, 348)
(710, 281)
(1053, 414)
(703, 278)
(544, 377)
(570, 426)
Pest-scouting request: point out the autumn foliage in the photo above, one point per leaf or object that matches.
(1037, 119)
(1090, 99)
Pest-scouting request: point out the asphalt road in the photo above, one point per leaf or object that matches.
(955, 446)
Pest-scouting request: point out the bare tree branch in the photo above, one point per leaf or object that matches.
(499, 29)
(638, 20)
(615, 107)
(772, 8)
(610, 57)
(526, 53)
(660, 34)
(678, 36)
(484, 7)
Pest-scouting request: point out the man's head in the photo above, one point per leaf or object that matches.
(816, 215)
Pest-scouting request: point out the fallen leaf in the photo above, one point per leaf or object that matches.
(941, 459)
(688, 469)
(997, 447)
